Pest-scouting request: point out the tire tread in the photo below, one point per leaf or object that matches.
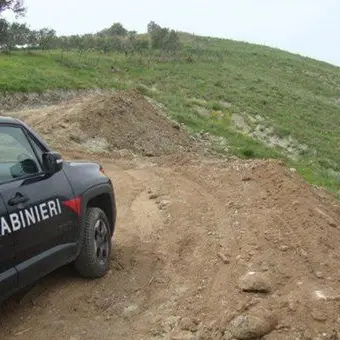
(86, 263)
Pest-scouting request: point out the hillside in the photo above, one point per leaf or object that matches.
(250, 95)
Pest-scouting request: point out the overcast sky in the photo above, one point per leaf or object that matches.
(307, 27)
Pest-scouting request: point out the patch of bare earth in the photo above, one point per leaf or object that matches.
(287, 144)
(204, 249)
(108, 122)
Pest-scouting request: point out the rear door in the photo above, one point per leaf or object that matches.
(44, 227)
(8, 274)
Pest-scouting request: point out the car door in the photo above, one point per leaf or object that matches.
(8, 274)
(44, 228)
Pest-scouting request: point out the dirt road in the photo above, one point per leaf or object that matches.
(204, 249)
(188, 229)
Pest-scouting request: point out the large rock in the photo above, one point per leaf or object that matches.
(253, 325)
(255, 282)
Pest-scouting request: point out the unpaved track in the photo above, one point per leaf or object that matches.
(175, 215)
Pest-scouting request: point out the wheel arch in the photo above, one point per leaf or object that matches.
(101, 196)
(104, 202)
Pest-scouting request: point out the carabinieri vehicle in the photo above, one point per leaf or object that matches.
(52, 212)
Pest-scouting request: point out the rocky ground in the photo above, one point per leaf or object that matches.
(205, 248)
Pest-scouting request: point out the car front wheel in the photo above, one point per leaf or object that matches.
(93, 260)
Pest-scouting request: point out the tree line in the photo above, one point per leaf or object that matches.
(115, 38)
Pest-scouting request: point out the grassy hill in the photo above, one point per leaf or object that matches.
(290, 104)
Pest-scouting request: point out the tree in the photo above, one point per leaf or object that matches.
(19, 34)
(46, 38)
(158, 37)
(89, 42)
(14, 5)
(132, 35)
(152, 26)
(13, 34)
(33, 38)
(118, 29)
(107, 44)
(171, 42)
(74, 41)
(140, 44)
(4, 26)
(163, 38)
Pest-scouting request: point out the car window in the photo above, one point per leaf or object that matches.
(37, 148)
(17, 158)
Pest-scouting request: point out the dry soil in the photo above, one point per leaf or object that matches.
(204, 248)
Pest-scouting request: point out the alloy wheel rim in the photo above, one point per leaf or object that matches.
(101, 241)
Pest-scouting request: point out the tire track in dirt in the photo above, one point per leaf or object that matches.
(156, 257)
(174, 218)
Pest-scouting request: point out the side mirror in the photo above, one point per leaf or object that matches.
(23, 168)
(52, 162)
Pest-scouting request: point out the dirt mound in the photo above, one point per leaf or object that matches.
(126, 120)
(107, 122)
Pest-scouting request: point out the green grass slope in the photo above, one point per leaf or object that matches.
(297, 97)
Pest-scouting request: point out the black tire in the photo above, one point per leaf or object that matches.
(93, 260)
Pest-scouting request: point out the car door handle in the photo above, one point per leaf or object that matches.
(17, 199)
